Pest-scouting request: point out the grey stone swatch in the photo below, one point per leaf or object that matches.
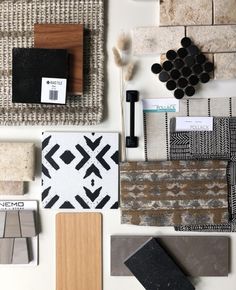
(2, 223)
(27, 222)
(12, 225)
(6, 251)
(20, 252)
(197, 256)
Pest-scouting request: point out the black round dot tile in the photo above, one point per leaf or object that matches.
(175, 74)
(171, 54)
(178, 63)
(179, 94)
(209, 67)
(204, 78)
(171, 85)
(193, 49)
(200, 58)
(164, 76)
(156, 68)
(193, 80)
(167, 65)
(190, 60)
(182, 52)
(190, 91)
(197, 68)
(182, 82)
(186, 71)
(186, 42)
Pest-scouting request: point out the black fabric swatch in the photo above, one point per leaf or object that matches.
(30, 65)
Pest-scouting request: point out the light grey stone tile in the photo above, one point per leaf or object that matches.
(27, 222)
(185, 12)
(225, 66)
(225, 11)
(217, 38)
(6, 251)
(12, 226)
(2, 223)
(20, 252)
(155, 40)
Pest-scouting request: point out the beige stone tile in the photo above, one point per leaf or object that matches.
(225, 66)
(11, 187)
(27, 222)
(17, 161)
(155, 40)
(6, 251)
(20, 252)
(225, 11)
(218, 38)
(185, 12)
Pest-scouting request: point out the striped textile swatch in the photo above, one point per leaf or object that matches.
(167, 193)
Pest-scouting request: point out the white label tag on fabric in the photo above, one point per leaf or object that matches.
(53, 90)
(160, 105)
(194, 124)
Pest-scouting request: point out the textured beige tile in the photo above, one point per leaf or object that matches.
(11, 187)
(225, 11)
(6, 251)
(218, 38)
(155, 40)
(27, 222)
(17, 161)
(185, 12)
(12, 226)
(20, 252)
(225, 66)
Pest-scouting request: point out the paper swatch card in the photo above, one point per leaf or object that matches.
(80, 170)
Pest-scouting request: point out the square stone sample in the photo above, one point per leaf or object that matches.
(11, 188)
(154, 268)
(225, 66)
(185, 12)
(196, 255)
(167, 193)
(217, 38)
(224, 11)
(20, 252)
(155, 40)
(17, 161)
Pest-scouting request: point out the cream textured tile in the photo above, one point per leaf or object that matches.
(20, 252)
(225, 66)
(11, 188)
(17, 161)
(218, 38)
(185, 12)
(6, 251)
(155, 40)
(27, 222)
(224, 12)
(2, 223)
(12, 226)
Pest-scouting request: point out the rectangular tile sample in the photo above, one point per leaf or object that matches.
(167, 193)
(155, 40)
(17, 161)
(225, 66)
(27, 223)
(80, 170)
(79, 251)
(2, 223)
(154, 269)
(216, 38)
(20, 252)
(12, 225)
(29, 66)
(66, 36)
(6, 251)
(197, 256)
(185, 12)
(224, 12)
(11, 188)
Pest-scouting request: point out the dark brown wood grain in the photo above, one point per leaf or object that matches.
(65, 36)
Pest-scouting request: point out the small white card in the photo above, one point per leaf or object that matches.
(160, 105)
(53, 90)
(194, 124)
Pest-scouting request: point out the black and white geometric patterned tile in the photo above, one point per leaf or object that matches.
(80, 170)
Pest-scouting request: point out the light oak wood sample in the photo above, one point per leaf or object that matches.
(66, 36)
(79, 251)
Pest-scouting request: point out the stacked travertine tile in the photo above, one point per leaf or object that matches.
(211, 24)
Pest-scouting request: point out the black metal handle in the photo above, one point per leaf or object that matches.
(132, 98)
